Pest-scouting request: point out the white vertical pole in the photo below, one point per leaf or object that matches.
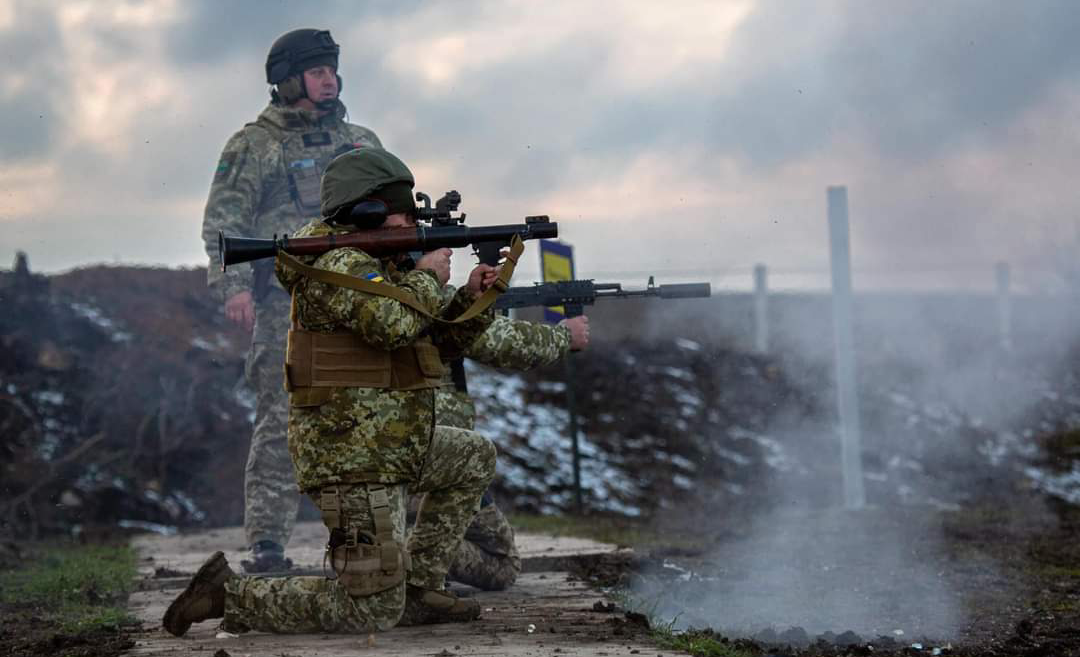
(1003, 275)
(846, 391)
(761, 309)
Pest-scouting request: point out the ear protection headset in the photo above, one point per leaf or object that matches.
(366, 214)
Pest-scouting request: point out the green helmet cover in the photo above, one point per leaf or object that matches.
(356, 174)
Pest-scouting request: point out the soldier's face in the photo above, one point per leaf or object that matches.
(399, 220)
(321, 83)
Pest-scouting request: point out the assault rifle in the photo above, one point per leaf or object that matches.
(574, 295)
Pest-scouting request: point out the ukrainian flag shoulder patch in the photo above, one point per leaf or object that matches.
(374, 277)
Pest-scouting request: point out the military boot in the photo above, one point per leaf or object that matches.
(266, 557)
(426, 607)
(204, 597)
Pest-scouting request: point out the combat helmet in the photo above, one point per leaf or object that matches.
(292, 54)
(362, 186)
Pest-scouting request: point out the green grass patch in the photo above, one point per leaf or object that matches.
(701, 643)
(1059, 572)
(79, 587)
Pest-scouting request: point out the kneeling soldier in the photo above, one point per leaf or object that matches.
(362, 369)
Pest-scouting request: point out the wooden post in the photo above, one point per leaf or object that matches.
(846, 390)
(1003, 276)
(761, 310)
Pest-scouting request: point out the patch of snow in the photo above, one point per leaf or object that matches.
(53, 397)
(681, 461)
(201, 343)
(98, 318)
(164, 530)
(190, 507)
(674, 372)
(688, 345)
(1065, 485)
(734, 457)
(733, 488)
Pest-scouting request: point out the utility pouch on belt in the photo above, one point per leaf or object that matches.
(365, 563)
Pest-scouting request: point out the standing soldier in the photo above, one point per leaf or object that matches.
(362, 428)
(267, 183)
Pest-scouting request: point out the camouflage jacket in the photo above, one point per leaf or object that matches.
(508, 343)
(267, 181)
(369, 434)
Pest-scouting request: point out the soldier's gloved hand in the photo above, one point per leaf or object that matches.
(437, 261)
(481, 278)
(579, 331)
(240, 309)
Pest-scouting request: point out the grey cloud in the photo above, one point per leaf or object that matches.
(519, 121)
(918, 79)
(212, 30)
(942, 73)
(915, 78)
(28, 126)
(32, 49)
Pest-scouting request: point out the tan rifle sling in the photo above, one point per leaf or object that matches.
(482, 303)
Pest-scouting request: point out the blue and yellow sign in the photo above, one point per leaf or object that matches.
(556, 264)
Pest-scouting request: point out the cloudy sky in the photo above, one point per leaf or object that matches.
(688, 139)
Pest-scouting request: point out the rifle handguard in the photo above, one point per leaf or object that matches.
(684, 291)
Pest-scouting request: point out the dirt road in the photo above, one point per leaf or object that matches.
(548, 612)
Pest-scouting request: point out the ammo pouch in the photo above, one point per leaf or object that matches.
(365, 563)
(316, 363)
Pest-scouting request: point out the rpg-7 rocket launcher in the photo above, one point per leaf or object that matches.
(445, 231)
(574, 295)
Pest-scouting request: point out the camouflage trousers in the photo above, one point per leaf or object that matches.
(457, 469)
(271, 498)
(488, 558)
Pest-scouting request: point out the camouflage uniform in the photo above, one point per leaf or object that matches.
(488, 558)
(360, 435)
(266, 183)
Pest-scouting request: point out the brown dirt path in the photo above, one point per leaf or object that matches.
(557, 606)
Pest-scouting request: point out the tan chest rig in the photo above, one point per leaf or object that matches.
(316, 363)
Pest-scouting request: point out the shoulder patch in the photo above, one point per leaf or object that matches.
(374, 277)
(224, 166)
